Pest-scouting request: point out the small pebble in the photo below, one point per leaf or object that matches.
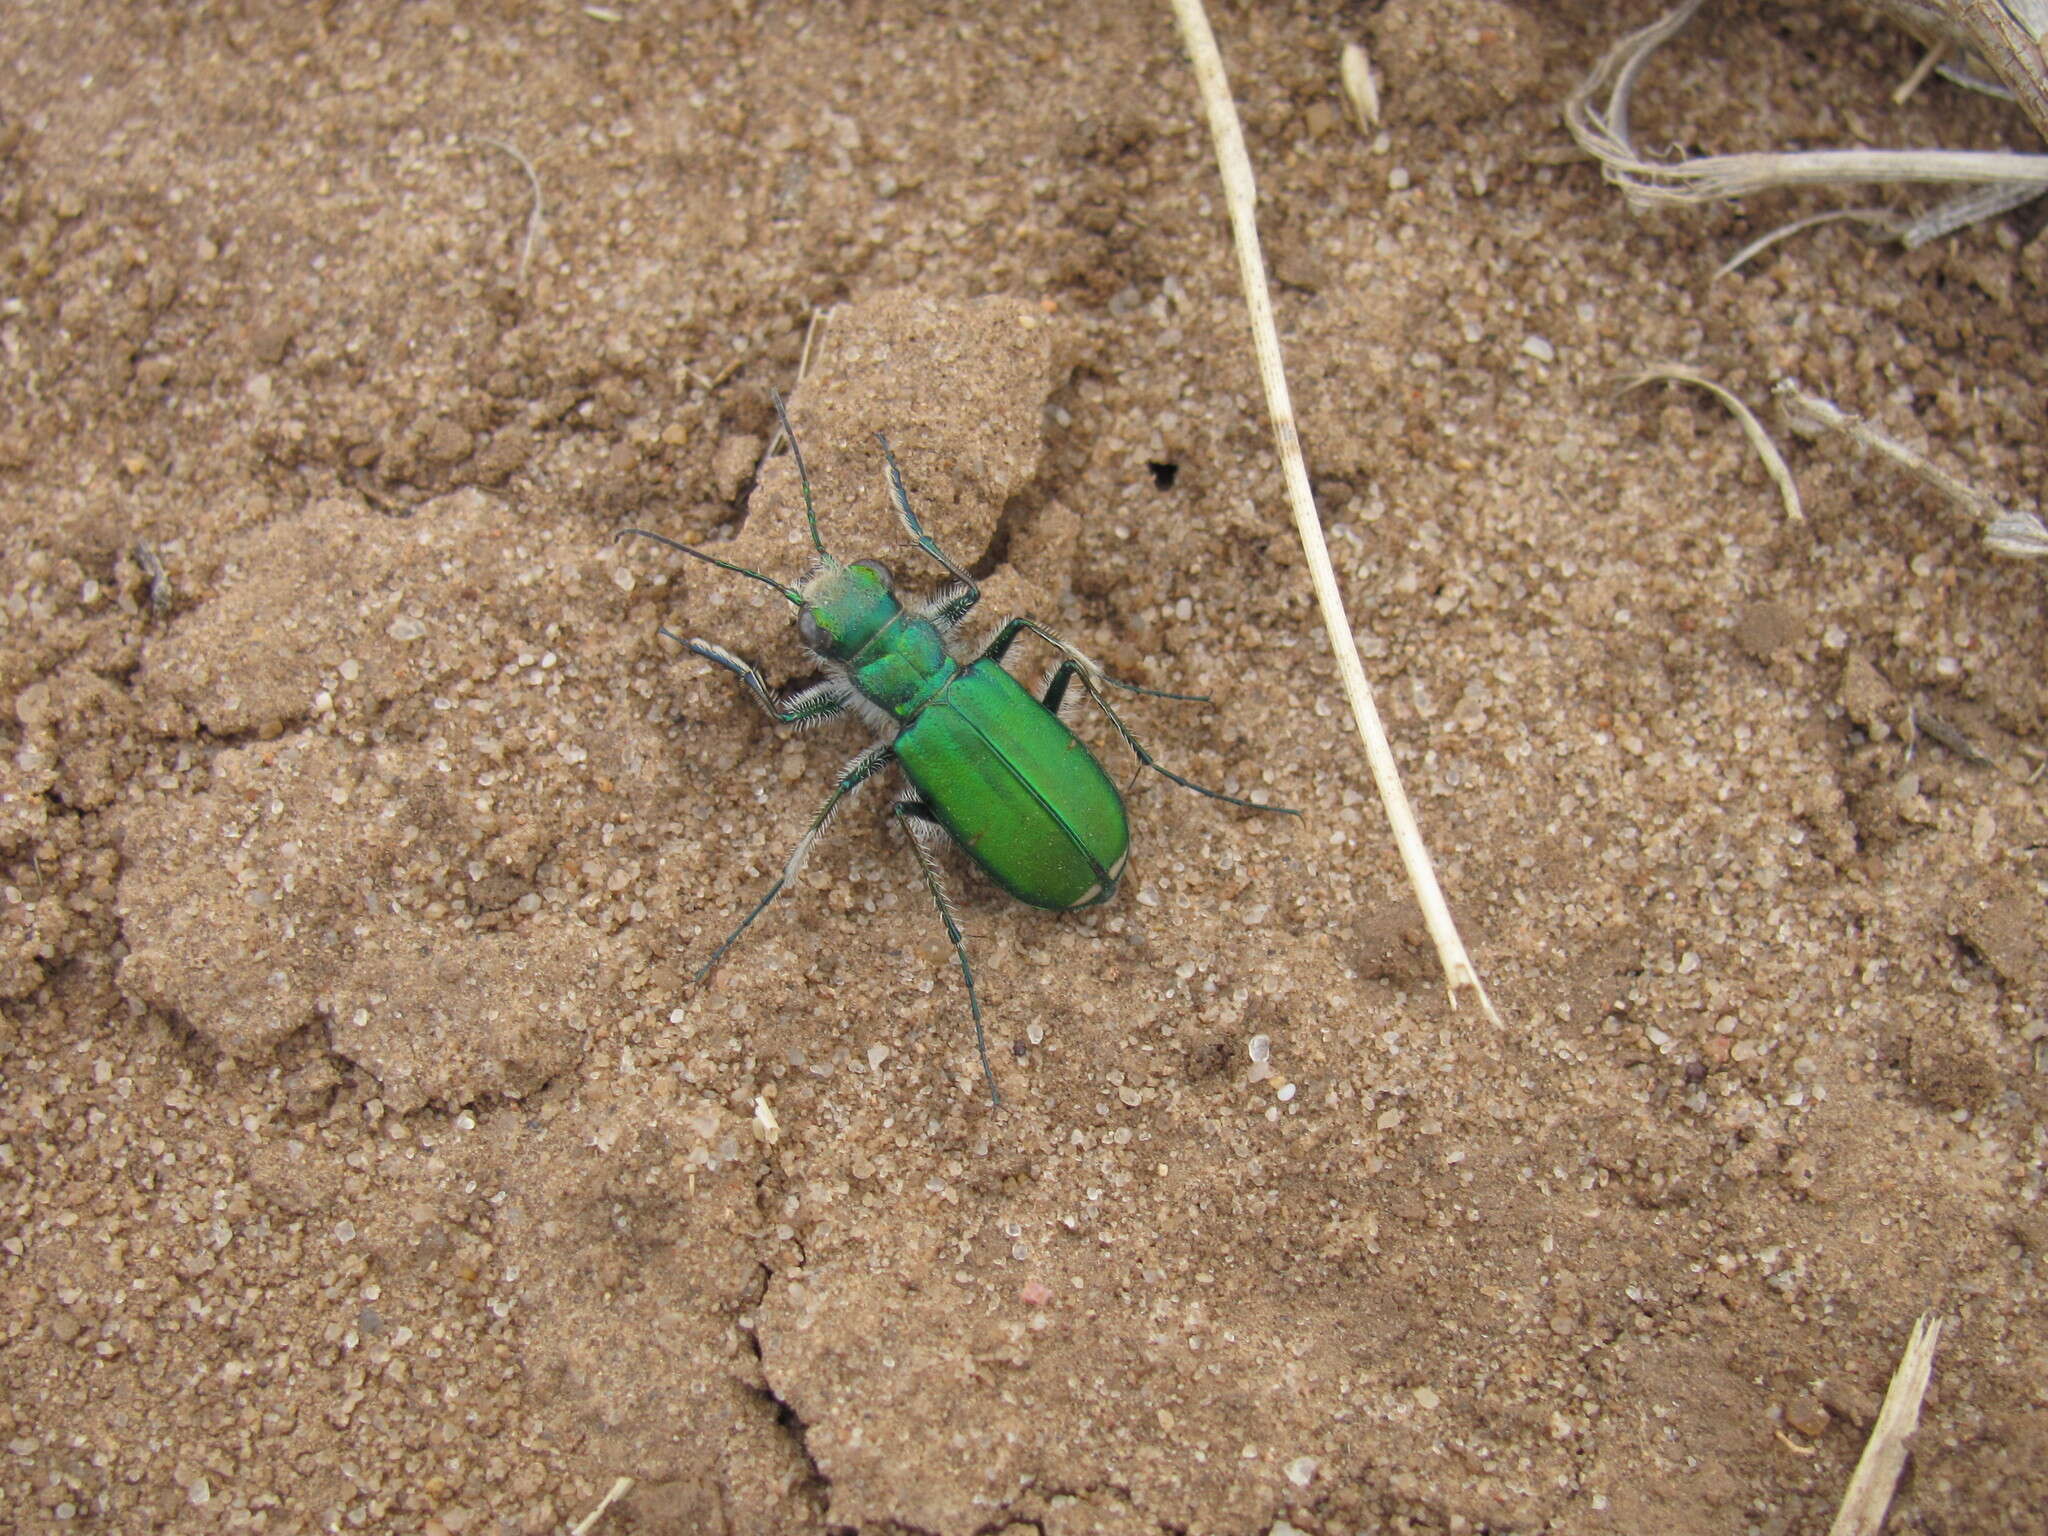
(1806, 1415)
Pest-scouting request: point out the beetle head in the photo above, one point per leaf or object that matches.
(844, 606)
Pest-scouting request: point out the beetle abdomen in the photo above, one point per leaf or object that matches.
(1017, 790)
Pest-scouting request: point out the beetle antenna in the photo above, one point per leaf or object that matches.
(791, 593)
(802, 478)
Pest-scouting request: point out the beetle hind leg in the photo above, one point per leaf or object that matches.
(999, 647)
(1056, 694)
(1074, 664)
(925, 834)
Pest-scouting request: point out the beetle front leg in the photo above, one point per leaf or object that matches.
(800, 706)
(863, 767)
(925, 830)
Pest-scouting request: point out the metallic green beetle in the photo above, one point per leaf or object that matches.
(991, 767)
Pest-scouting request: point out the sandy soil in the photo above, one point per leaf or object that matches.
(368, 1159)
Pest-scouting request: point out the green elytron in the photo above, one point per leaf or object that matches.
(990, 766)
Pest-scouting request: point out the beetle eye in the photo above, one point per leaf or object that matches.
(881, 572)
(810, 631)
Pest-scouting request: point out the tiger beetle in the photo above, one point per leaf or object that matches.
(989, 766)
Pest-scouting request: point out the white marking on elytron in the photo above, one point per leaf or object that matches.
(1094, 891)
(862, 763)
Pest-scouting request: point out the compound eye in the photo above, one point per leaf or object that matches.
(881, 572)
(811, 632)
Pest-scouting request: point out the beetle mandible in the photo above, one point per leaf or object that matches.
(990, 767)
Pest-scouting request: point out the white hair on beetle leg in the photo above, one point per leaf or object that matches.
(859, 768)
(836, 688)
(929, 838)
(1070, 702)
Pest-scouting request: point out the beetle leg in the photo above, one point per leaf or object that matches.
(1006, 637)
(806, 705)
(945, 610)
(925, 831)
(863, 767)
(957, 603)
(1055, 695)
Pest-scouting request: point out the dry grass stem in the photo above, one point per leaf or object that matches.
(1882, 219)
(708, 384)
(1920, 721)
(2004, 35)
(1602, 131)
(2019, 534)
(534, 215)
(1935, 53)
(1972, 206)
(1869, 1493)
(621, 1486)
(152, 566)
(1241, 198)
(1964, 70)
(1361, 85)
(1774, 461)
(812, 327)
